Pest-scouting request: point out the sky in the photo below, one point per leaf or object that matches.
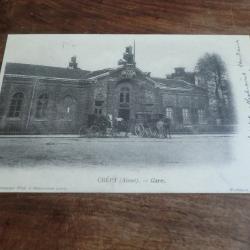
(158, 54)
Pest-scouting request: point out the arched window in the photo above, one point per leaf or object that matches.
(99, 104)
(68, 108)
(41, 106)
(169, 113)
(186, 116)
(16, 105)
(201, 116)
(149, 96)
(124, 95)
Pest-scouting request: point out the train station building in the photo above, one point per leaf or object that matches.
(47, 100)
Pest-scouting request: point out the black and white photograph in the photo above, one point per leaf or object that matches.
(125, 113)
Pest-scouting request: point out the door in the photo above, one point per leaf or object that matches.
(124, 113)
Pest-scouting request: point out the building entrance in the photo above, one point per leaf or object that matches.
(124, 113)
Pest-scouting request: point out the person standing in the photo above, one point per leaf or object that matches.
(166, 127)
(160, 128)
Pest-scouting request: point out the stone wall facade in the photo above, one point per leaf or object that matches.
(66, 108)
(52, 105)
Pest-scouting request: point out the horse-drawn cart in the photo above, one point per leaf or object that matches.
(103, 126)
(152, 125)
(145, 125)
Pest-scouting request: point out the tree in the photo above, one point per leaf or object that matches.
(212, 75)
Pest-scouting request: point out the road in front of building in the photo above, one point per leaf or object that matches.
(130, 152)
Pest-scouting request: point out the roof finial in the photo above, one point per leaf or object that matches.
(128, 57)
(73, 64)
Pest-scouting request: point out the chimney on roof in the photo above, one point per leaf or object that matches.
(179, 71)
(73, 63)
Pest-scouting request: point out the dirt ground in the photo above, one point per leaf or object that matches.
(70, 151)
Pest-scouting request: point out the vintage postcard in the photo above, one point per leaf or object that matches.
(125, 113)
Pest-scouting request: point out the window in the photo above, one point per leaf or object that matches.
(99, 103)
(124, 95)
(149, 97)
(68, 108)
(169, 113)
(41, 106)
(201, 116)
(186, 116)
(16, 105)
(99, 106)
(98, 111)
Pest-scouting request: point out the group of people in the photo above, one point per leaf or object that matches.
(162, 125)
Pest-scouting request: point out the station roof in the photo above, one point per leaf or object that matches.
(79, 74)
(45, 71)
